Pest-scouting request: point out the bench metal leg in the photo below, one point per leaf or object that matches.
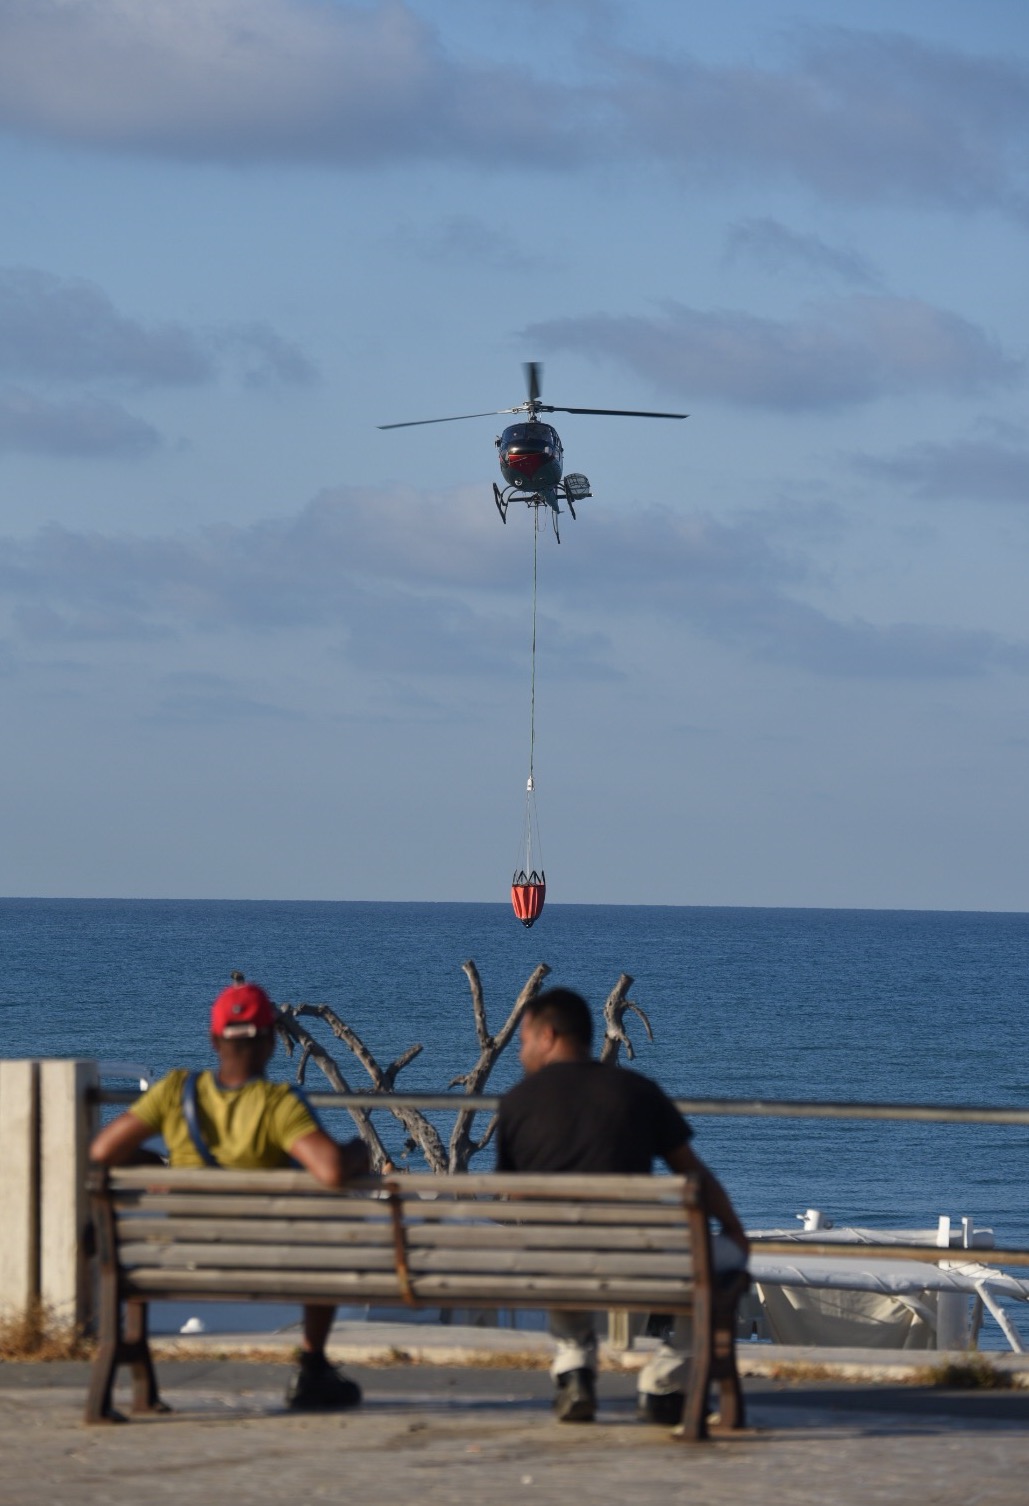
(723, 1366)
(105, 1365)
(101, 1384)
(136, 1353)
(714, 1361)
(693, 1427)
(122, 1343)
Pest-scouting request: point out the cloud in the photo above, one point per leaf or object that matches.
(728, 582)
(792, 633)
(264, 80)
(776, 248)
(212, 698)
(444, 599)
(55, 329)
(88, 428)
(838, 353)
(858, 116)
(266, 359)
(978, 470)
(463, 239)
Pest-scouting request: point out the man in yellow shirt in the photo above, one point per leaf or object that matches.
(235, 1117)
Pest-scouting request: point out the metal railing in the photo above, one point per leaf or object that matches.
(738, 1108)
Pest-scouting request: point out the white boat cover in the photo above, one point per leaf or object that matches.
(875, 1303)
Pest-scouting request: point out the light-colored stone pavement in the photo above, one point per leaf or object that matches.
(438, 1434)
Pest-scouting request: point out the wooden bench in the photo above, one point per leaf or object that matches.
(639, 1243)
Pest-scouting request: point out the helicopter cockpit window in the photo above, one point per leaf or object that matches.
(530, 436)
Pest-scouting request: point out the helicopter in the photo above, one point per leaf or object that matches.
(531, 454)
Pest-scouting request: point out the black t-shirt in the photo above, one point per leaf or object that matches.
(583, 1116)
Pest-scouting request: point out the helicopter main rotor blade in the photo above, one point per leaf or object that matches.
(612, 412)
(533, 373)
(414, 423)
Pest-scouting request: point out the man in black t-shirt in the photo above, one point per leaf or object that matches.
(573, 1114)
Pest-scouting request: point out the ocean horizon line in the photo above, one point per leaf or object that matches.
(504, 904)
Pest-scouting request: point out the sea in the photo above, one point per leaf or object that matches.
(884, 1006)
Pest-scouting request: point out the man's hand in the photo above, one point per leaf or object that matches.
(357, 1160)
(333, 1164)
(686, 1162)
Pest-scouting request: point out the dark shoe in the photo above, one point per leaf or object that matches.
(318, 1386)
(575, 1399)
(665, 1410)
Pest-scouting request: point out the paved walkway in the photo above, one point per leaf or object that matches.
(444, 1434)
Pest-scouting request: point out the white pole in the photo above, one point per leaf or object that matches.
(67, 1124)
(19, 1186)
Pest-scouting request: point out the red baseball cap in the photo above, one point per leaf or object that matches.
(242, 1010)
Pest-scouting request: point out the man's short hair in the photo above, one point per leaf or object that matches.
(566, 1012)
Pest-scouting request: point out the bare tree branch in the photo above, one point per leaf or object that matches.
(305, 1057)
(487, 1136)
(471, 972)
(389, 1077)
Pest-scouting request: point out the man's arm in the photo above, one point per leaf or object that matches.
(118, 1142)
(686, 1162)
(331, 1163)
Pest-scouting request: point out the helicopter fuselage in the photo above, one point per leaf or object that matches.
(531, 456)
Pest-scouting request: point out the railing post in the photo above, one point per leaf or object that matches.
(19, 1186)
(67, 1124)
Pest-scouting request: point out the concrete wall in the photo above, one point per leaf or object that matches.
(46, 1123)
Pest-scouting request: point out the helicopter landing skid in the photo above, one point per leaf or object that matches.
(549, 498)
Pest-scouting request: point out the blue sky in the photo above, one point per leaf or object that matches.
(251, 646)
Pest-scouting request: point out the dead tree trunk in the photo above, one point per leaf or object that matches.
(462, 1146)
(293, 1034)
(420, 1130)
(615, 1034)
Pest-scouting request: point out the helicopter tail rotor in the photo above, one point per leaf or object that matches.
(533, 372)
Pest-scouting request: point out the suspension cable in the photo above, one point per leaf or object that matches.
(532, 691)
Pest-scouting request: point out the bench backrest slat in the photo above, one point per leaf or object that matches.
(350, 1287)
(481, 1235)
(422, 1210)
(232, 1259)
(551, 1187)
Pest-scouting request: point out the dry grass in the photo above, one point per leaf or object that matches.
(974, 1374)
(37, 1335)
(799, 1371)
(169, 1348)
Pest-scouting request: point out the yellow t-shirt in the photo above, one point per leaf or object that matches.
(250, 1128)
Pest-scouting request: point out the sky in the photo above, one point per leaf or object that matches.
(252, 646)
